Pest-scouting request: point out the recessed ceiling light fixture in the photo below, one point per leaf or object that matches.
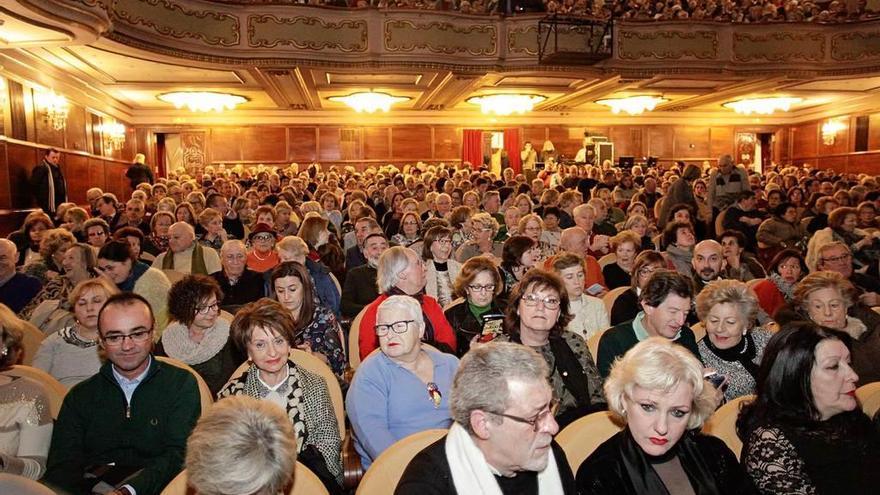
(369, 101)
(633, 105)
(762, 106)
(203, 101)
(506, 104)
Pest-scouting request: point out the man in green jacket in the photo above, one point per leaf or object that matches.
(134, 415)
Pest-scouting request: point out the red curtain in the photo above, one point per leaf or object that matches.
(472, 147)
(513, 146)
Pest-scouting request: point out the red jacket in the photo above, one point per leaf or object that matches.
(769, 297)
(368, 342)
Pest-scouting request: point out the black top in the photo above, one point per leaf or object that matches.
(621, 338)
(625, 307)
(465, 324)
(233, 227)
(249, 287)
(359, 290)
(615, 276)
(429, 474)
(138, 173)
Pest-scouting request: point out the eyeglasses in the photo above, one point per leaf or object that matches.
(532, 301)
(482, 288)
(138, 337)
(207, 309)
(837, 259)
(263, 237)
(398, 327)
(536, 421)
(647, 271)
(443, 241)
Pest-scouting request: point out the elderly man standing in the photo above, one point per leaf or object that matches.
(502, 439)
(725, 184)
(47, 182)
(240, 284)
(16, 289)
(186, 255)
(402, 272)
(708, 256)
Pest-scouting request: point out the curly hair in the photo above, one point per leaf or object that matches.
(469, 271)
(823, 280)
(53, 241)
(188, 293)
(728, 292)
(537, 279)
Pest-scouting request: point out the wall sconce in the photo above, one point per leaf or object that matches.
(830, 130)
(54, 107)
(113, 133)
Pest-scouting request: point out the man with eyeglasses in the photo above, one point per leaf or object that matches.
(837, 257)
(501, 440)
(127, 426)
(185, 255)
(240, 285)
(666, 303)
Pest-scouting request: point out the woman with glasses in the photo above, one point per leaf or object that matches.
(657, 390)
(777, 290)
(317, 330)
(536, 316)
(441, 269)
(401, 389)
(626, 306)
(532, 226)
(482, 243)
(265, 331)
(842, 227)
(262, 256)
(77, 264)
(408, 234)
(196, 334)
(479, 312)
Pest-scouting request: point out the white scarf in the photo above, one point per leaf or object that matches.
(472, 475)
(177, 344)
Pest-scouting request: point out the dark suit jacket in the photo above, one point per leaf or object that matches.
(359, 290)
(40, 185)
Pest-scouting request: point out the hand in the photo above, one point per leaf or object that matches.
(870, 299)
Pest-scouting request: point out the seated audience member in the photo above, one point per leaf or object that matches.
(399, 374)
(738, 265)
(108, 210)
(135, 239)
(837, 257)
(35, 227)
(242, 445)
(828, 299)
(185, 255)
(482, 243)
(262, 256)
(16, 289)
(292, 248)
(742, 216)
(842, 228)
(805, 431)
(733, 345)
(402, 272)
(196, 335)
(782, 230)
(26, 420)
(679, 240)
(359, 288)
(132, 417)
(625, 245)
(441, 270)
(363, 227)
(776, 291)
(239, 284)
(231, 224)
(53, 245)
(157, 241)
(135, 213)
(116, 264)
(657, 388)
(97, 232)
(71, 354)
(315, 234)
(501, 440)
(317, 330)
(626, 306)
(479, 311)
(265, 331)
(588, 314)
(410, 224)
(574, 240)
(77, 265)
(706, 263)
(74, 220)
(519, 255)
(665, 303)
(212, 222)
(537, 314)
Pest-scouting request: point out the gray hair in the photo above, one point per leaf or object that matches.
(294, 245)
(241, 445)
(481, 382)
(391, 263)
(405, 306)
(229, 245)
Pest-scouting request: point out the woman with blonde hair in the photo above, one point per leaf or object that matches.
(214, 236)
(626, 245)
(53, 245)
(482, 243)
(657, 389)
(74, 219)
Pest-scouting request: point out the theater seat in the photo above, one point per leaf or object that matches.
(54, 389)
(305, 483)
(585, 435)
(722, 423)
(386, 470)
(205, 395)
(699, 330)
(354, 346)
(611, 296)
(869, 397)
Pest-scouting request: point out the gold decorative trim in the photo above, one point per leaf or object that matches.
(870, 40)
(444, 28)
(796, 40)
(668, 36)
(120, 13)
(514, 33)
(307, 44)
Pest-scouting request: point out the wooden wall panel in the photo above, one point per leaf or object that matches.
(836, 163)
(537, 135)
(75, 132)
(264, 143)
(5, 198)
(874, 132)
(659, 142)
(96, 174)
(627, 141)
(447, 143)
(868, 163)
(76, 171)
(566, 140)
(225, 144)
(691, 142)
(720, 141)
(21, 160)
(328, 143)
(377, 143)
(114, 177)
(411, 142)
(302, 144)
(841, 141)
(804, 140)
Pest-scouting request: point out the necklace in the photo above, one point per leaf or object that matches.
(257, 256)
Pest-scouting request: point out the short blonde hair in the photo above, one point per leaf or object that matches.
(53, 240)
(624, 237)
(524, 222)
(294, 245)
(823, 280)
(207, 215)
(487, 221)
(728, 292)
(659, 364)
(92, 283)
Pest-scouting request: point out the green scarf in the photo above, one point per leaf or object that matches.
(198, 260)
(478, 311)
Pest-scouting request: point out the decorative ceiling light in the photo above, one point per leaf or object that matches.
(54, 108)
(113, 133)
(506, 104)
(633, 105)
(369, 101)
(762, 106)
(203, 101)
(830, 130)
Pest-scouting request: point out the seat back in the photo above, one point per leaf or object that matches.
(55, 391)
(611, 296)
(31, 338)
(581, 438)
(869, 397)
(386, 470)
(313, 364)
(593, 344)
(607, 259)
(454, 302)
(753, 282)
(699, 330)
(305, 482)
(354, 347)
(205, 396)
(722, 423)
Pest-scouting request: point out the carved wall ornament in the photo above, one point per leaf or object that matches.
(665, 45)
(307, 33)
(855, 46)
(779, 47)
(171, 19)
(523, 40)
(440, 37)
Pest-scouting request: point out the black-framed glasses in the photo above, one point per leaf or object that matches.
(549, 302)
(208, 308)
(482, 288)
(264, 237)
(534, 422)
(136, 337)
(398, 327)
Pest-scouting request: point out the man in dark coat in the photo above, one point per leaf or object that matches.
(138, 172)
(47, 182)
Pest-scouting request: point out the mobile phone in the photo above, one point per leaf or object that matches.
(595, 289)
(716, 379)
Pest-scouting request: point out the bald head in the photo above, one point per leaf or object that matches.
(8, 258)
(707, 260)
(181, 236)
(573, 239)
